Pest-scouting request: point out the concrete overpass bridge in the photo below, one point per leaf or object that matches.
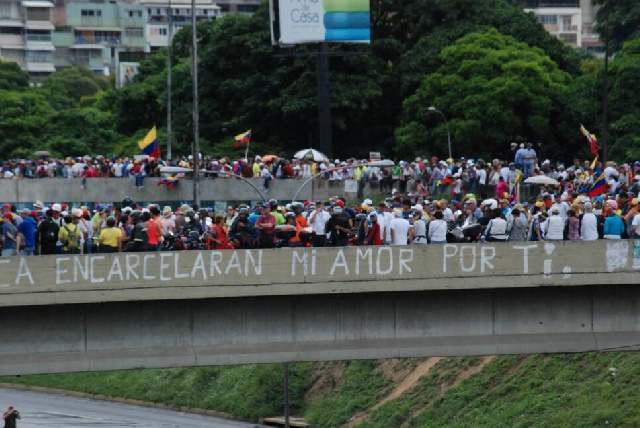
(122, 311)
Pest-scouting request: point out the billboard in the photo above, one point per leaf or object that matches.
(311, 21)
(126, 73)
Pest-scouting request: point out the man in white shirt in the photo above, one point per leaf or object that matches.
(446, 211)
(399, 229)
(553, 228)
(317, 220)
(562, 206)
(382, 221)
(589, 224)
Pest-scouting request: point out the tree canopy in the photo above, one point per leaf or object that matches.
(490, 67)
(494, 89)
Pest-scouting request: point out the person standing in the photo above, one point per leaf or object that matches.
(318, 220)
(529, 159)
(9, 236)
(399, 229)
(10, 417)
(28, 231)
(111, 237)
(266, 226)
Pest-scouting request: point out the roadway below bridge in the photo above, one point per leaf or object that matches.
(106, 312)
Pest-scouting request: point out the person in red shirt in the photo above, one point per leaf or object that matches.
(373, 231)
(266, 226)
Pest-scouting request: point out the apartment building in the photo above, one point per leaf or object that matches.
(26, 36)
(167, 17)
(572, 21)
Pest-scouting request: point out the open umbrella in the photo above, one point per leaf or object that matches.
(541, 179)
(310, 155)
(269, 158)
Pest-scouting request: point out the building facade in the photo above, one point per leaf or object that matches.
(26, 36)
(572, 21)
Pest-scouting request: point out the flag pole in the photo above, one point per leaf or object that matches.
(246, 152)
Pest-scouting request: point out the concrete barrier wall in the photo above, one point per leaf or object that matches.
(115, 189)
(46, 280)
(125, 335)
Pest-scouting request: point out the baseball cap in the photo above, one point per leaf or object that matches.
(8, 216)
(56, 207)
(25, 211)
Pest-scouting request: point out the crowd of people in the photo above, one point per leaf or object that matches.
(590, 201)
(400, 220)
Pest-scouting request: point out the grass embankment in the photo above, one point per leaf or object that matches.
(570, 390)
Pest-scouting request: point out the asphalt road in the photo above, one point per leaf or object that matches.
(40, 410)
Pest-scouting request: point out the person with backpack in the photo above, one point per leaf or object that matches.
(47, 234)
(71, 236)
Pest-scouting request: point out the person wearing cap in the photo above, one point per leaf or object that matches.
(168, 223)
(419, 229)
(553, 227)
(517, 229)
(10, 238)
(613, 224)
(400, 229)
(369, 229)
(338, 228)
(27, 229)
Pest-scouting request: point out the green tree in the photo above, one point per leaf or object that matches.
(66, 88)
(492, 88)
(618, 21)
(624, 101)
(23, 119)
(12, 77)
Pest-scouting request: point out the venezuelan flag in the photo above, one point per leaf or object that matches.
(150, 145)
(243, 138)
(599, 187)
(593, 141)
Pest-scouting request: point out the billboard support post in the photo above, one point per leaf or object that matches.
(324, 100)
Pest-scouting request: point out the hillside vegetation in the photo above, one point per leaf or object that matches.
(576, 390)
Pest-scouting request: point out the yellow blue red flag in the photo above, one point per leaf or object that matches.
(243, 138)
(150, 145)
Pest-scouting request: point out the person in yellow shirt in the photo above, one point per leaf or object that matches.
(71, 236)
(111, 237)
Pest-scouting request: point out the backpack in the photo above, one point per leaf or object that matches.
(50, 233)
(73, 243)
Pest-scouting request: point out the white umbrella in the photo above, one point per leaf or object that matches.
(541, 179)
(310, 154)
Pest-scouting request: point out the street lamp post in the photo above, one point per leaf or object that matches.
(435, 110)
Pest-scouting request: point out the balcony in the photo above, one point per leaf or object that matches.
(38, 37)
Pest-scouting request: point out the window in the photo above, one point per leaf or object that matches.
(159, 31)
(39, 56)
(135, 14)
(548, 19)
(134, 32)
(90, 12)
